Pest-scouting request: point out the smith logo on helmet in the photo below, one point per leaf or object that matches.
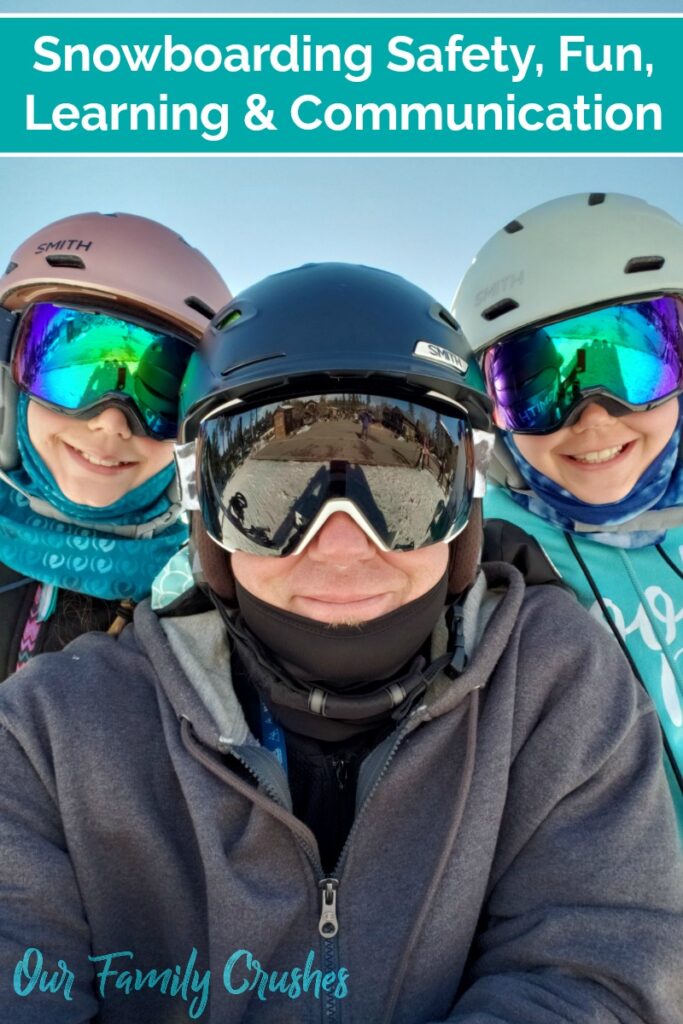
(505, 284)
(427, 350)
(63, 245)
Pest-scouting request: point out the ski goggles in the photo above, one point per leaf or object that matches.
(269, 476)
(79, 360)
(631, 353)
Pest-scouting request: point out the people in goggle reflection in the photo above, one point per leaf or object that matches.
(335, 447)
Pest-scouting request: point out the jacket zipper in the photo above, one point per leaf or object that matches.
(328, 923)
(329, 885)
(410, 723)
(330, 957)
(328, 926)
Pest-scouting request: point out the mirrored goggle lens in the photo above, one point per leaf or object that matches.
(633, 351)
(74, 358)
(405, 471)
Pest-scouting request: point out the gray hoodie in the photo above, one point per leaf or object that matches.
(513, 858)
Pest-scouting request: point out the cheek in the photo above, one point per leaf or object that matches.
(424, 568)
(657, 425)
(537, 449)
(257, 574)
(43, 426)
(156, 455)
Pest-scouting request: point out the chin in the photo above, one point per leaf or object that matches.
(347, 620)
(84, 496)
(605, 497)
(331, 619)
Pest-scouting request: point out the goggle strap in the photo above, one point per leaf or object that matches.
(185, 456)
(483, 441)
(8, 327)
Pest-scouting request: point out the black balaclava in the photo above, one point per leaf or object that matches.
(335, 682)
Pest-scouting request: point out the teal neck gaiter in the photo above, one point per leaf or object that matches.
(82, 556)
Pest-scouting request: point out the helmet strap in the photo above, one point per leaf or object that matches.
(464, 556)
(214, 561)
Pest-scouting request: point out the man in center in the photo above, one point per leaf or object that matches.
(368, 780)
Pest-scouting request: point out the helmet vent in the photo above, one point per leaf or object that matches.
(596, 198)
(641, 263)
(228, 319)
(499, 309)
(513, 227)
(65, 260)
(199, 306)
(444, 315)
(10, 267)
(252, 362)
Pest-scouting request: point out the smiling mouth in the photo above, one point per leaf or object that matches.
(336, 599)
(348, 612)
(98, 460)
(601, 455)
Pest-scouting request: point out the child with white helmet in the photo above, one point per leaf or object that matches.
(99, 315)
(575, 309)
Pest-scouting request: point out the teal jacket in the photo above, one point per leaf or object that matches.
(641, 590)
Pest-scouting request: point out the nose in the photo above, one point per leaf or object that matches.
(593, 417)
(111, 420)
(341, 541)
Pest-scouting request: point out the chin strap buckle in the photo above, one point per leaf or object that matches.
(458, 662)
(124, 615)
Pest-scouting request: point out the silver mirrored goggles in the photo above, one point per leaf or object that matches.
(269, 476)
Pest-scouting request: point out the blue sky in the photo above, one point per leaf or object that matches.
(424, 218)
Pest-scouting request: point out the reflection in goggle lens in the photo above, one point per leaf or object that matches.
(633, 352)
(73, 358)
(266, 472)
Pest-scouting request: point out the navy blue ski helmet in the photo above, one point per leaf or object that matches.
(324, 325)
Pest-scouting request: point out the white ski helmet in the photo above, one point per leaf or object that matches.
(565, 256)
(561, 258)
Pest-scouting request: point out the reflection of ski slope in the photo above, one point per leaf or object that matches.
(402, 499)
(69, 378)
(341, 439)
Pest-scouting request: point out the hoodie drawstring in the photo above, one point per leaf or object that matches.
(461, 800)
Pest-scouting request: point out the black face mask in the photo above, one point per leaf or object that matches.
(333, 682)
(346, 659)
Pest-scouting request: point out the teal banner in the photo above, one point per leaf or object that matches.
(308, 84)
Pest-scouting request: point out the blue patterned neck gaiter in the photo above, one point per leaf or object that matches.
(659, 487)
(83, 556)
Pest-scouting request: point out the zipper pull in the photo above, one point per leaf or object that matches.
(341, 771)
(328, 926)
